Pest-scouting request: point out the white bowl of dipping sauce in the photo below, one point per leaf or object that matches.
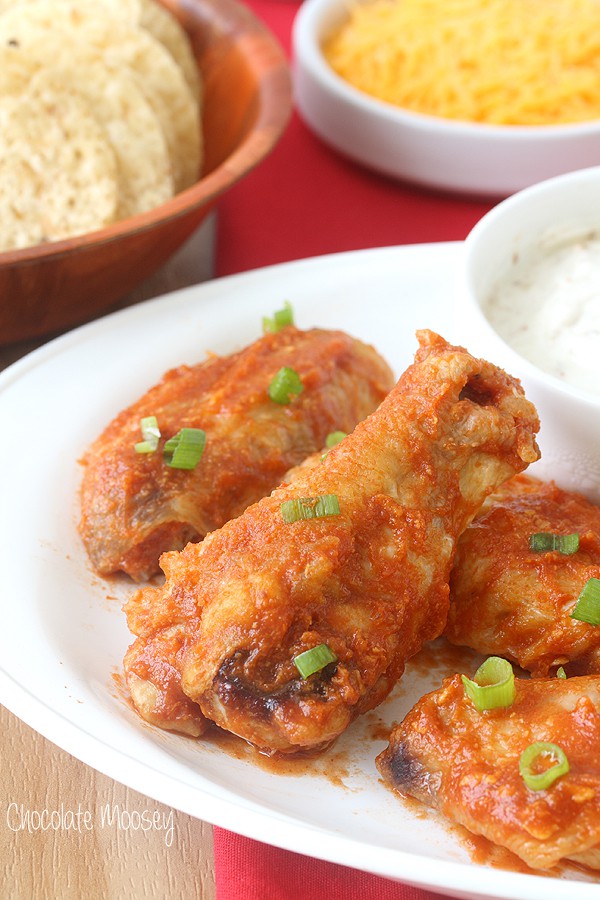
(528, 299)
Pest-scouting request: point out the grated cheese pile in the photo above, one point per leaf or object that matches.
(517, 62)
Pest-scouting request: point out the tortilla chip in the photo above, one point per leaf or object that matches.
(57, 170)
(129, 123)
(34, 24)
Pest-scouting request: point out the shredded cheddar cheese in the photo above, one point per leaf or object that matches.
(511, 62)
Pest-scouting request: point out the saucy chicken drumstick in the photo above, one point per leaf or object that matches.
(507, 599)
(224, 638)
(134, 506)
(465, 763)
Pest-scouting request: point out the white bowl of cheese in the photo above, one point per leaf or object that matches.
(455, 154)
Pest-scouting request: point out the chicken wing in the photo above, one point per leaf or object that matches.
(134, 506)
(508, 600)
(369, 583)
(466, 764)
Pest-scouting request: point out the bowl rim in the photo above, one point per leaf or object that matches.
(307, 52)
(509, 206)
(274, 111)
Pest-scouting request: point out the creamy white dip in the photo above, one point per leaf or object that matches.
(548, 310)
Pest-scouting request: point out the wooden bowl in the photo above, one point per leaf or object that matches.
(246, 105)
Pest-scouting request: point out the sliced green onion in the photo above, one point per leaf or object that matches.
(151, 435)
(314, 660)
(539, 781)
(493, 686)
(279, 319)
(587, 608)
(185, 449)
(286, 383)
(566, 544)
(310, 508)
(334, 438)
(560, 672)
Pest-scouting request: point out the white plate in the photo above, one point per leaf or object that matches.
(64, 634)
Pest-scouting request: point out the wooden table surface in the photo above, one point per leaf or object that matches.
(104, 861)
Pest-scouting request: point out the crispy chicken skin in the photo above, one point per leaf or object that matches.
(134, 506)
(466, 764)
(507, 600)
(371, 582)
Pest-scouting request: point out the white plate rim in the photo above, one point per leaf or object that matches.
(216, 807)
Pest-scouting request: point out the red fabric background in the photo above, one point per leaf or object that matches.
(249, 870)
(306, 200)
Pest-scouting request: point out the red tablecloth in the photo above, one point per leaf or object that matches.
(248, 870)
(306, 200)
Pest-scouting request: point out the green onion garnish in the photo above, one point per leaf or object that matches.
(279, 319)
(151, 435)
(539, 781)
(564, 543)
(286, 383)
(310, 508)
(314, 660)
(493, 686)
(185, 449)
(334, 438)
(560, 672)
(587, 608)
